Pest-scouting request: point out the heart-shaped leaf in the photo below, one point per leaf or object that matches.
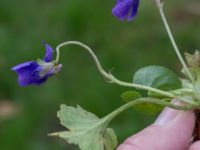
(157, 77)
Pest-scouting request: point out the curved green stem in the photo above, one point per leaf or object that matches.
(109, 76)
(88, 49)
(116, 112)
(160, 6)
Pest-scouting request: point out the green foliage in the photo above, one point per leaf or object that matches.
(186, 84)
(157, 77)
(193, 60)
(110, 139)
(147, 108)
(85, 129)
(131, 95)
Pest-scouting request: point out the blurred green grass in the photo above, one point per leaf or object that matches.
(124, 46)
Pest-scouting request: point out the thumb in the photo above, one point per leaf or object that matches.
(195, 146)
(171, 131)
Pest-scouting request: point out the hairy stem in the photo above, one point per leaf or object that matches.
(160, 6)
(116, 112)
(109, 76)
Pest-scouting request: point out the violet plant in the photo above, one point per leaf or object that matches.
(92, 133)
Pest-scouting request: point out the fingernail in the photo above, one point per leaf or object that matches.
(166, 116)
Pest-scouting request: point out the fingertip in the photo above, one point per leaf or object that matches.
(175, 134)
(182, 127)
(187, 117)
(127, 147)
(195, 146)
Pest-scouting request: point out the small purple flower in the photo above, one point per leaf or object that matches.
(126, 9)
(37, 72)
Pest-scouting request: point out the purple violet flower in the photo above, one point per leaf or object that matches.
(37, 72)
(126, 9)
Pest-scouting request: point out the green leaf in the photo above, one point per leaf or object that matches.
(194, 65)
(157, 77)
(110, 139)
(186, 84)
(85, 129)
(146, 108)
(130, 95)
(193, 60)
(196, 90)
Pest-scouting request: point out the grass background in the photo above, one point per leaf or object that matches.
(27, 114)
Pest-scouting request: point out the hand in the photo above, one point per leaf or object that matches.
(171, 131)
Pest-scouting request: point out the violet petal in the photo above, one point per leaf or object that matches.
(126, 9)
(134, 10)
(49, 53)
